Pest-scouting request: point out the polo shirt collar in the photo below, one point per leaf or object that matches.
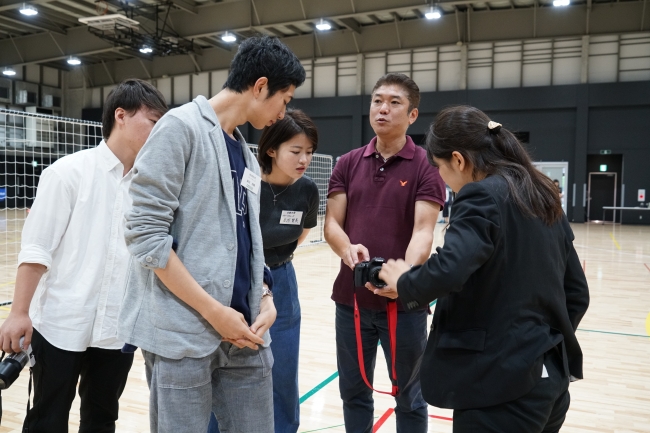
(407, 152)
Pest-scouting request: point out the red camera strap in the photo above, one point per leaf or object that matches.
(391, 313)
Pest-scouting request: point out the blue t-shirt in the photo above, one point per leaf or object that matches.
(242, 283)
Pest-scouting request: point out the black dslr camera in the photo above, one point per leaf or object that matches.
(12, 365)
(365, 272)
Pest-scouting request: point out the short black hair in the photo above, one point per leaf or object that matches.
(295, 122)
(405, 82)
(131, 95)
(264, 56)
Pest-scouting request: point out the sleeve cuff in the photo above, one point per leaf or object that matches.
(35, 254)
(157, 257)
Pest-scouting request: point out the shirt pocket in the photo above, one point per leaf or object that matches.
(172, 314)
(468, 339)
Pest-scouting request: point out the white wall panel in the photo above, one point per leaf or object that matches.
(218, 79)
(375, 68)
(449, 68)
(181, 89)
(304, 91)
(201, 85)
(603, 59)
(536, 74)
(50, 76)
(96, 97)
(107, 91)
(325, 77)
(164, 85)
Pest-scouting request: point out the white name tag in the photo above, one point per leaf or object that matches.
(251, 181)
(292, 217)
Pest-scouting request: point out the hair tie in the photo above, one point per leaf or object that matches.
(494, 127)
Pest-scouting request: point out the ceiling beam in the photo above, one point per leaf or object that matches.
(351, 24)
(186, 5)
(33, 22)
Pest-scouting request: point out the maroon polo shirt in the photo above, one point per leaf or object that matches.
(381, 200)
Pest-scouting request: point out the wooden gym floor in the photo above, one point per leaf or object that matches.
(614, 335)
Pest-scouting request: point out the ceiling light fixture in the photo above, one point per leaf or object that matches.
(10, 72)
(433, 14)
(228, 37)
(323, 25)
(146, 50)
(561, 3)
(74, 61)
(28, 10)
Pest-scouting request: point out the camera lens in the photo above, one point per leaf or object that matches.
(374, 277)
(11, 367)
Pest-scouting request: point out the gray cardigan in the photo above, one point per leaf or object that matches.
(182, 191)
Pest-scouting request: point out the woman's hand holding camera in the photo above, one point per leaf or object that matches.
(354, 254)
(16, 326)
(390, 273)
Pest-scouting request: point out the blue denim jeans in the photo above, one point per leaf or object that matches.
(285, 336)
(358, 405)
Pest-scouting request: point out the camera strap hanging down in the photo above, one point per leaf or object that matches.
(391, 315)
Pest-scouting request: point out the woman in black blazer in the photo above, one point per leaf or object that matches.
(510, 288)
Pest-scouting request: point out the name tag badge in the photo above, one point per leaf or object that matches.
(251, 181)
(292, 217)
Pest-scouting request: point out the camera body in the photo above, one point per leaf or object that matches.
(368, 272)
(12, 365)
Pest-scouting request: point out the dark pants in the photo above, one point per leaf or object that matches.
(358, 404)
(103, 377)
(542, 410)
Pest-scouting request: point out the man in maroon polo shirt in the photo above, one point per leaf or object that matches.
(383, 201)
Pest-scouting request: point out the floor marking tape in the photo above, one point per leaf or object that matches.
(646, 265)
(613, 333)
(441, 417)
(611, 235)
(319, 387)
(382, 420)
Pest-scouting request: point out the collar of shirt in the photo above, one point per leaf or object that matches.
(407, 152)
(107, 157)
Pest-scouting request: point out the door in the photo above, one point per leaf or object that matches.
(601, 191)
(557, 171)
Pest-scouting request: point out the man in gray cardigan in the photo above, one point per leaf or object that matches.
(195, 302)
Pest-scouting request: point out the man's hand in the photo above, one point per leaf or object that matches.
(16, 326)
(232, 326)
(355, 254)
(390, 273)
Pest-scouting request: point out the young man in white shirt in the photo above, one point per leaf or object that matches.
(72, 270)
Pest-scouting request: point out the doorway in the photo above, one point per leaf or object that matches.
(557, 171)
(604, 178)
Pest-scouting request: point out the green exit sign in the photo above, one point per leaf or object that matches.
(605, 152)
(603, 167)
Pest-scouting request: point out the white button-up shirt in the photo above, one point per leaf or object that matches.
(76, 229)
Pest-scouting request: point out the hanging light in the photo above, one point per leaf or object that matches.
(74, 61)
(146, 50)
(561, 3)
(323, 25)
(433, 13)
(28, 10)
(228, 37)
(10, 72)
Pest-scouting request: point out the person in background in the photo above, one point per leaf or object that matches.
(510, 287)
(288, 210)
(72, 269)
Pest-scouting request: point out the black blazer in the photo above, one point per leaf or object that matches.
(509, 289)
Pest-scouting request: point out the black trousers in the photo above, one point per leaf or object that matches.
(542, 410)
(56, 373)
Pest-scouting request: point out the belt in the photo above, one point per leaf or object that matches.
(277, 265)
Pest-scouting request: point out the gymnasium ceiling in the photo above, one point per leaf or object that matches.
(358, 26)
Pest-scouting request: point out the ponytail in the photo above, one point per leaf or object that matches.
(493, 150)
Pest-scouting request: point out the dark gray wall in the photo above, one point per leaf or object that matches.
(565, 124)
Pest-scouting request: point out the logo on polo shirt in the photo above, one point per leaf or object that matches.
(403, 182)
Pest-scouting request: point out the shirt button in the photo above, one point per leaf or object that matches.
(231, 246)
(381, 169)
(148, 259)
(376, 156)
(155, 262)
(226, 283)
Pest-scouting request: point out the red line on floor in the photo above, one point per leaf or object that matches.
(646, 265)
(382, 420)
(441, 417)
